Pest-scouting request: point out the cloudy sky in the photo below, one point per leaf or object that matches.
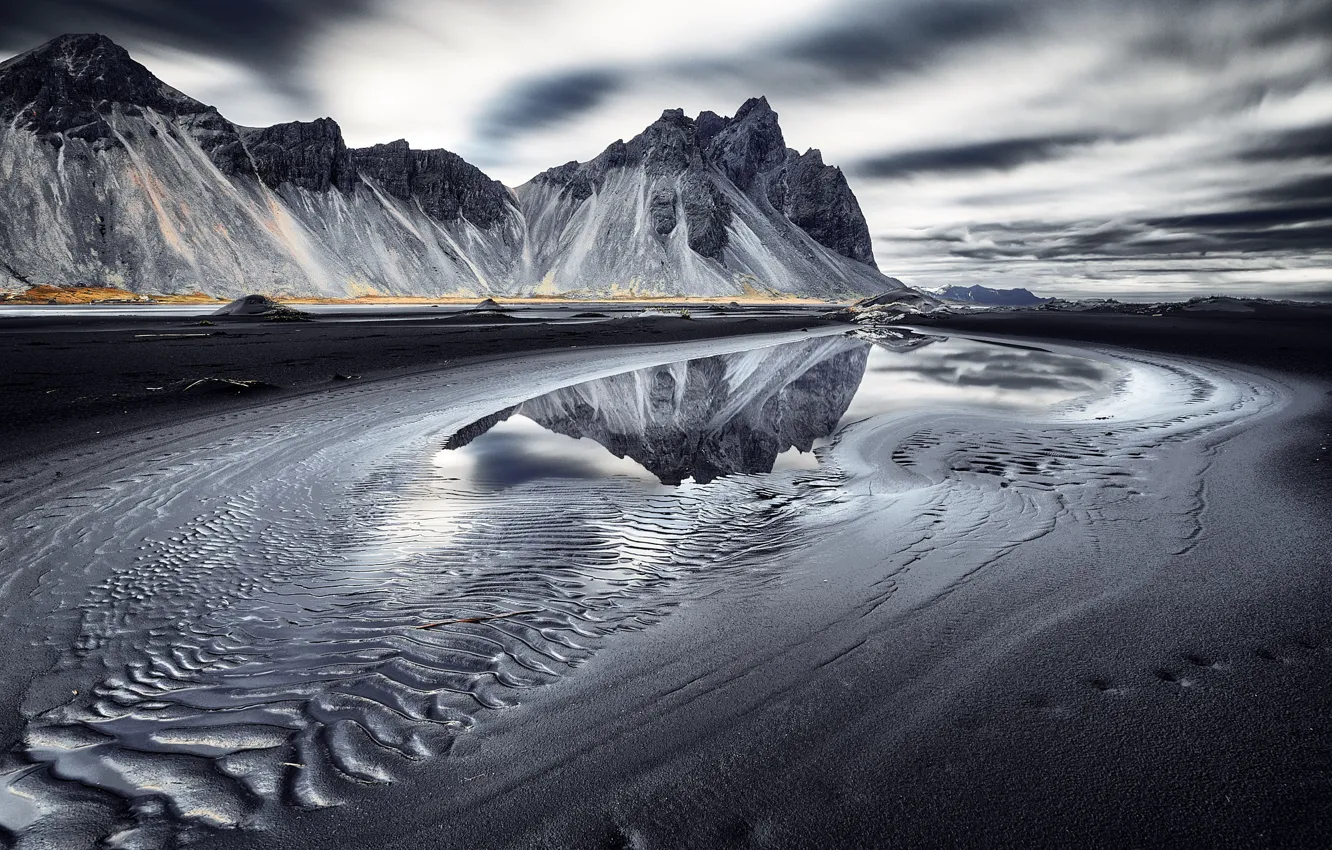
(1132, 149)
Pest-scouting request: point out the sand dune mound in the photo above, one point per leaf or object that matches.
(261, 307)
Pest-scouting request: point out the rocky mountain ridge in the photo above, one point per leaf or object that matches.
(115, 178)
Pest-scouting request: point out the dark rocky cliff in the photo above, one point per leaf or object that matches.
(750, 152)
(311, 155)
(816, 198)
(446, 185)
(73, 87)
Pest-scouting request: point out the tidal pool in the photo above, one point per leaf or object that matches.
(756, 411)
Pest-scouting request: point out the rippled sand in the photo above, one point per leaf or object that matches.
(306, 602)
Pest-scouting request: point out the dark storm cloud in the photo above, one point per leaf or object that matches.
(998, 155)
(1316, 189)
(262, 34)
(879, 39)
(1293, 215)
(1304, 143)
(1247, 219)
(534, 104)
(863, 42)
(1235, 232)
(1298, 21)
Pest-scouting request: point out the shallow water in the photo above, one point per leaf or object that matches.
(697, 420)
(289, 616)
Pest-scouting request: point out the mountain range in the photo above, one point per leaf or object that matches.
(108, 176)
(990, 297)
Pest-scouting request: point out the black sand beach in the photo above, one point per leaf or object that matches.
(70, 379)
(1104, 684)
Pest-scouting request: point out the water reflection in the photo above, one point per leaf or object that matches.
(695, 420)
(754, 411)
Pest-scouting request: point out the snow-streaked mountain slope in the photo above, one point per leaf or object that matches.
(110, 177)
(706, 206)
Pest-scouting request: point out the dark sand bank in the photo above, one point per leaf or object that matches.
(1157, 674)
(67, 379)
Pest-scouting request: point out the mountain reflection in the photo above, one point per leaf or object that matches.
(705, 418)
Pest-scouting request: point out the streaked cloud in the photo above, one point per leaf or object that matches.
(1134, 148)
(996, 155)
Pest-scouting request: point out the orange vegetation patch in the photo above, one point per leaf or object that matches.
(550, 299)
(43, 294)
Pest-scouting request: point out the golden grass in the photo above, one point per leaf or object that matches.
(747, 300)
(45, 294)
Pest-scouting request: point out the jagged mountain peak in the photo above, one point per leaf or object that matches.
(754, 106)
(725, 201)
(76, 87)
(748, 144)
(80, 54)
(83, 70)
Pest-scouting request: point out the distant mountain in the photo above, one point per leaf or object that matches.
(989, 297)
(109, 176)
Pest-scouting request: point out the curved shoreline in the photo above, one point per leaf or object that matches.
(618, 665)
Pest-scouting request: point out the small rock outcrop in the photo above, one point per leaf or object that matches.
(261, 307)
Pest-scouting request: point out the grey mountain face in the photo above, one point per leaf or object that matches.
(72, 87)
(727, 190)
(310, 155)
(702, 419)
(110, 176)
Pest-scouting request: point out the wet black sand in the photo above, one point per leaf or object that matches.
(1112, 698)
(1116, 697)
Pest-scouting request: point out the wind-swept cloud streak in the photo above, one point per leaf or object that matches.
(996, 155)
(1136, 148)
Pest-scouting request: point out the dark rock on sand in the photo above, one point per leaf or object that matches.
(261, 307)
